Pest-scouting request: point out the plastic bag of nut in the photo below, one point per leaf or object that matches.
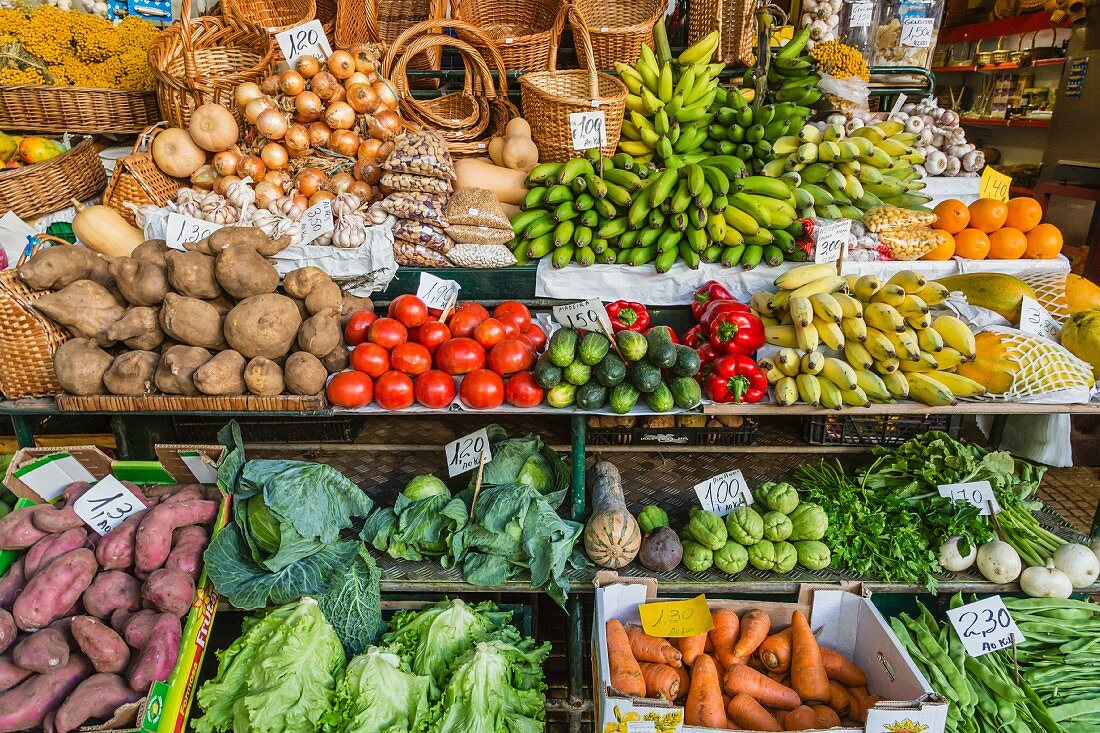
(891, 217)
(909, 243)
(426, 207)
(479, 235)
(422, 153)
(415, 255)
(476, 207)
(414, 182)
(417, 232)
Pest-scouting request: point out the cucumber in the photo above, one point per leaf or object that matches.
(660, 399)
(577, 373)
(623, 398)
(611, 371)
(562, 349)
(686, 392)
(546, 374)
(593, 347)
(660, 351)
(562, 395)
(644, 376)
(687, 362)
(632, 345)
(591, 396)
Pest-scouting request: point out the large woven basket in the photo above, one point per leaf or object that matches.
(368, 21)
(38, 189)
(200, 60)
(618, 28)
(76, 109)
(733, 19)
(137, 180)
(549, 97)
(525, 32)
(274, 15)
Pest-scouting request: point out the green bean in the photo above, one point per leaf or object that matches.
(1075, 710)
(1045, 604)
(938, 656)
(993, 681)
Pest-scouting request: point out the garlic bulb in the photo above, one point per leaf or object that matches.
(219, 211)
(276, 225)
(345, 203)
(325, 240)
(186, 195)
(286, 206)
(241, 195)
(350, 232)
(376, 213)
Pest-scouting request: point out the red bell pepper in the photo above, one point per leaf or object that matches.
(707, 293)
(628, 316)
(720, 306)
(707, 355)
(671, 334)
(735, 378)
(735, 332)
(695, 336)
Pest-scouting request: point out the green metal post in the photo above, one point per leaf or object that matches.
(575, 644)
(578, 433)
(24, 433)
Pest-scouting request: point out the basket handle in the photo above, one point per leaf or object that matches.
(36, 242)
(582, 40)
(146, 136)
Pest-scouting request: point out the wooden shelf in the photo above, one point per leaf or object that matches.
(1021, 190)
(998, 67)
(994, 28)
(995, 122)
(906, 407)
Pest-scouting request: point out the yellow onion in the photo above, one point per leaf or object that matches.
(272, 124)
(225, 163)
(310, 180)
(274, 156)
(245, 93)
(307, 66)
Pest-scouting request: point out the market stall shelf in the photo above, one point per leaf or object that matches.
(177, 403)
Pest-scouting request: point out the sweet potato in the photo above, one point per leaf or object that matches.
(116, 549)
(243, 273)
(132, 373)
(12, 584)
(263, 325)
(11, 674)
(80, 366)
(137, 628)
(17, 530)
(65, 518)
(45, 550)
(252, 237)
(158, 655)
(337, 359)
(191, 321)
(301, 282)
(177, 367)
(262, 376)
(154, 535)
(151, 250)
(188, 544)
(25, 705)
(111, 591)
(185, 492)
(138, 329)
(54, 589)
(170, 591)
(222, 375)
(8, 630)
(43, 651)
(304, 373)
(103, 646)
(325, 296)
(141, 282)
(54, 268)
(85, 307)
(320, 334)
(96, 698)
(192, 274)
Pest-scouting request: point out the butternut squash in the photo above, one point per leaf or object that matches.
(518, 150)
(507, 185)
(612, 537)
(101, 229)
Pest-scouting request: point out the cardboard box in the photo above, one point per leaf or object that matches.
(848, 622)
(39, 474)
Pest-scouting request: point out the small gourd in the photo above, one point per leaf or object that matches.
(518, 151)
(101, 229)
(612, 537)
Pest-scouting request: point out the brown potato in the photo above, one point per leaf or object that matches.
(251, 237)
(151, 250)
(192, 274)
(223, 304)
(263, 325)
(337, 359)
(139, 329)
(222, 375)
(132, 373)
(320, 334)
(242, 273)
(300, 283)
(326, 296)
(86, 308)
(80, 366)
(191, 321)
(264, 377)
(140, 282)
(352, 303)
(304, 374)
(54, 268)
(302, 310)
(176, 371)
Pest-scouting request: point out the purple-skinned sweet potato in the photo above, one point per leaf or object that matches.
(158, 655)
(137, 628)
(170, 591)
(12, 584)
(55, 545)
(25, 706)
(110, 591)
(115, 550)
(8, 631)
(96, 698)
(11, 674)
(103, 646)
(154, 536)
(54, 589)
(17, 530)
(63, 518)
(43, 651)
(188, 544)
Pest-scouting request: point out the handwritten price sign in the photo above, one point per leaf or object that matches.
(676, 619)
(465, 453)
(1036, 320)
(994, 185)
(860, 15)
(985, 626)
(724, 493)
(831, 240)
(978, 493)
(316, 221)
(587, 315)
(106, 505)
(436, 292)
(589, 130)
(917, 32)
(308, 39)
(182, 230)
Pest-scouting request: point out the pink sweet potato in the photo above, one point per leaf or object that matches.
(63, 518)
(116, 550)
(48, 723)
(97, 697)
(154, 536)
(186, 492)
(170, 591)
(159, 654)
(26, 705)
(138, 627)
(54, 589)
(188, 544)
(43, 651)
(17, 530)
(101, 644)
(12, 584)
(8, 630)
(112, 590)
(11, 674)
(55, 545)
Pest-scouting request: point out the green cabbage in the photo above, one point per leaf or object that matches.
(425, 486)
(353, 604)
(378, 695)
(525, 461)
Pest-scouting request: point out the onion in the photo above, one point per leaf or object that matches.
(204, 177)
(299, 200)
(362, 98)
(364, 58)
(383, 125)
(339, 94)
(320, 196)
(225, 163)
(324, 85)
(308, 107)
(255, 108)
(252, 167)
(310, 181)
(367, 171)
(281, 179)
(387, 95)
(291, 83)
(341, 64)
(272, 124)
(274, 156)
(340, 116)
(357, 78)
(246, 92)
(221, 185)
(368, 149)
(319, 134)
(307, 66)
(344, 142)
(270, 84)
(340, 182)
(363, 190)
(266, 192)
(296, 140)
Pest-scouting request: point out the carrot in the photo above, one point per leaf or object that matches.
(801, 718)
(857, 692)
(860, 707)
(826, 717)
(653, 649)
(685, 680)
(704, 702)
(766, 691)
(691, 647)
(838, 667)
(724, 635)
(626, 675)
(807, 670)
(775, 652)
(661, 680)
(839, 699)
(748, 714)
(754, 630)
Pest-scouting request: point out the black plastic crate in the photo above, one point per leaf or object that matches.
(657, 437)
(888, 430)
(193, 429)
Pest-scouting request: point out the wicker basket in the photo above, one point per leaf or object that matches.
(76, 109)
(525, 32)
(50, 186)
(549, 97)
(274, 15)
(137, 180)
(200, 60)
(366, 21)
(733, 19)
(618, 28)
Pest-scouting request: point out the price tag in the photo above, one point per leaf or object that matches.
(436, 292)
(588, 315)
(994, 184)
(641, 726)
(898, 104)
(676, 619)
(831, 240)
(317, 220)
(978, 493)
(589, 129)
(307, 39)
(464, 454)
(724, 493)
(860, 15)
(917, 32)
(104, 506)
(182, 229)
(1036, 320)
(984, 626)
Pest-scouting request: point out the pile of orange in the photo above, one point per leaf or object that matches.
(992, 229)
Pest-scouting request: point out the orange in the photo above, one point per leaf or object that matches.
(1024, 213)
(946, 248)
(1044, 242)
(988, 215)
(971, 244)
(1007, 243)
(953, 216)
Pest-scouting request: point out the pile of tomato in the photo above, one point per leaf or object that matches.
(409, 356)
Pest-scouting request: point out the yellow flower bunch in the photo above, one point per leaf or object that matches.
(840, 60)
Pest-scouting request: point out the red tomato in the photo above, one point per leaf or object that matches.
(350, 389)
(434, 389)
(432, 334)
(511, 356)
(459, 356)
(522, 338)
(387, 333)
(523, 391)
(355, 332)
(371, 359)
(489, 333)
(537, 336)
(412, 359)
(409, 310)
(463, 323)
(481, 389)
(477, 308)
(394, 391)
(512, 328)
(516, 311)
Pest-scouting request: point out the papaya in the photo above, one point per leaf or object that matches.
(994, 291)
(1025, 364)
(1081, 294)
(992, 368)
(1081, 335)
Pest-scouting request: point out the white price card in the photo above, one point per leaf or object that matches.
(984, 626)
(860, 15)
(307, 39)
(898, 104)
(1036, 320)
(106, 505)
(724, 493)
(436, 292)
(182, 230)
(465, 453)
(641, 726)
(831, 239)
(917, 32)
(317, 221)
(588, 315)
(589, 129)
(978, 493)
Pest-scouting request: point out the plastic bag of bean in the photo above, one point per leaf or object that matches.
(417, 232)
(426, 207)
(890, 217)
(422, 153)
(415, 255)
(476, 207)
(909, 243)
(464, 234)
(413, 182)
(481, 255)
